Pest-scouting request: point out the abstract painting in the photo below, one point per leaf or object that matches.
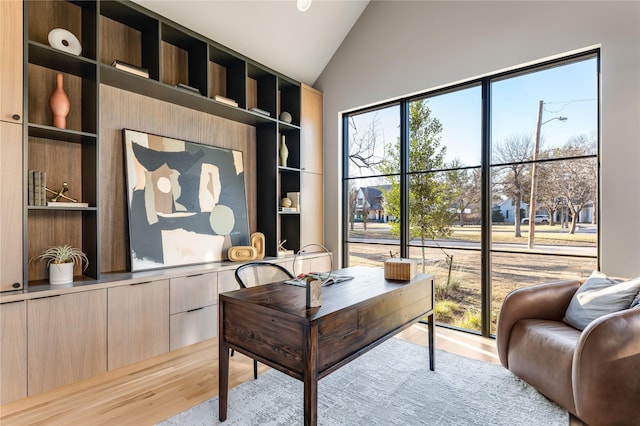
(187, 201)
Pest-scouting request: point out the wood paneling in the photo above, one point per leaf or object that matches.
(175, 65)
(11, 64)
(311, 208)
(120, 109)
(119, 41)
(13, 351)
(11, 212)
(67, 339)
(217, 80)
(311, 130)
(138, 322)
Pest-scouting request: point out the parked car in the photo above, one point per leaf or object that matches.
(543, 219)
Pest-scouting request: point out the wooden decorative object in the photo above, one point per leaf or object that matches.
(257, 242)
(400, 269)
(241, 253)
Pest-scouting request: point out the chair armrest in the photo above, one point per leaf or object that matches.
(541, 301)
(606, 370)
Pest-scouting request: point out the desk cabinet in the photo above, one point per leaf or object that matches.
(67, 339)
(13, 351)
(138, 322)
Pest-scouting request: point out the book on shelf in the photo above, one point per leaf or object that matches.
(121, 65)
(66, 204)
(327, 278)
(36, 185)
(30, 193)
(187, 87)
(260, 111)
(225, 100)
(288, 209)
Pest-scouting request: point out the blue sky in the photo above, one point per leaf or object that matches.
(568, 90)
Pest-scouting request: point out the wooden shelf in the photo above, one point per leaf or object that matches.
(40, 54)
(66, 135)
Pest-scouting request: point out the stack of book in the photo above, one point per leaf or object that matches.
(37, 194)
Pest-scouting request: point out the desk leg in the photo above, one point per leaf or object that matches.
(432, 352)
(310, 377)
(223, 370)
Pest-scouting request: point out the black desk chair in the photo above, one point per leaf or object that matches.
(258, 273)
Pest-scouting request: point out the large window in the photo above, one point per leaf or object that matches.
(490, 185)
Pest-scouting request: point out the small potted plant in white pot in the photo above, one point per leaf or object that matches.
(60, 260)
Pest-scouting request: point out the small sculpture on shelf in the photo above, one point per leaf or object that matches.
(70, 202)
(60, 194)
(247, 253)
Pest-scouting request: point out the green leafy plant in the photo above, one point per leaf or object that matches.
(63, 254)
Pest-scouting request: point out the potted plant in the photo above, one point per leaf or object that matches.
(61, 260)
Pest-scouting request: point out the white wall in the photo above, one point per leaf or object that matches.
(397, 48)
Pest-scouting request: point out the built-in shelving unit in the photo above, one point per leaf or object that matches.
(224, 83)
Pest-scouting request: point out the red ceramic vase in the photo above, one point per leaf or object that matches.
(59, 104)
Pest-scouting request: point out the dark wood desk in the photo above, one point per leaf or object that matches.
(272, 324)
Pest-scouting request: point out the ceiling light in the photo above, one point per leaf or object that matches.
(304, 5)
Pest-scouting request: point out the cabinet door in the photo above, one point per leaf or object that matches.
(13, 351)
(11, 64)
(311, 130)
(11, 211)
(311, 207)
(138, 322)
(196, 291)
(67, 339)
(194, 326)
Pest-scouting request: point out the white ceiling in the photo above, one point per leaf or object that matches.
(273, 33)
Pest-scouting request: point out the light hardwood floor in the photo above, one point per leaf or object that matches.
(153, 390)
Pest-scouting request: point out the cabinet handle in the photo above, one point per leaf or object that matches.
(16, 116)
(196, 309)
(194, 275)
(16, 285)
(47, 297)
(145, 282)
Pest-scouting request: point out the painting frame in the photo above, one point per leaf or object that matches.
(186, 201)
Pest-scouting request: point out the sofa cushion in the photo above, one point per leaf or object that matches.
(541, 353)
(598, 296)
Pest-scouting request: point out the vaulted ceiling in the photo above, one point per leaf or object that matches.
(273, 33)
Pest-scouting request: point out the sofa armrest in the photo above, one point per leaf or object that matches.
(541, 301)
(606, 370)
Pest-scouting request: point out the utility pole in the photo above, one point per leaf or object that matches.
(534, 173)
(534, 179)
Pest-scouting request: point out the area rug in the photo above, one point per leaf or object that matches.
(389, 385)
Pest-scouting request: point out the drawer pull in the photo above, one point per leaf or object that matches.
(196, 309)
(145, 282)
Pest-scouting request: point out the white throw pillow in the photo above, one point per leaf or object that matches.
(598, 296)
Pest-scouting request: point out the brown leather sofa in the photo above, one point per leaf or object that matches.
(594, 373)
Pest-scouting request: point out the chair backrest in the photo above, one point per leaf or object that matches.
(257, 273)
